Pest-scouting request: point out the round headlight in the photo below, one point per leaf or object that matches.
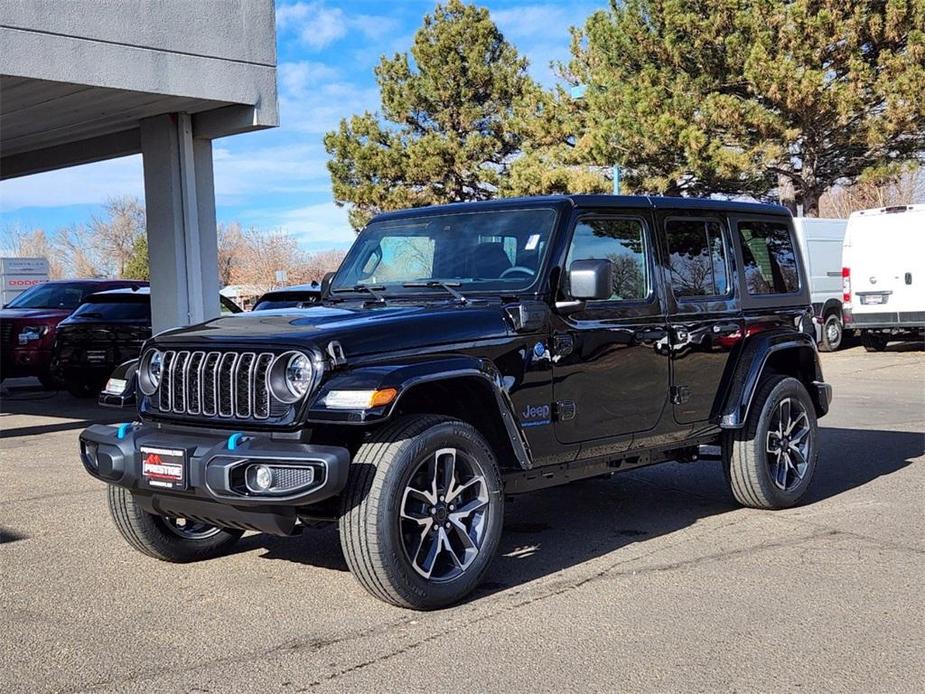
(292, 377)
(149, 371)
(298, 375)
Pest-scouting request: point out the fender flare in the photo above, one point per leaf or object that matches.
(751, 364)
(407, 376)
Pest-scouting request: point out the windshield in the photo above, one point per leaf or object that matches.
(57, 295)
(114, 310)
(481, 250)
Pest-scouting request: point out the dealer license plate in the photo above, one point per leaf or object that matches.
(164, 467)
(95, 356)
(870, 299)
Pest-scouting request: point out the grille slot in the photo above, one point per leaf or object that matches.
(6, 332)
(223, 384)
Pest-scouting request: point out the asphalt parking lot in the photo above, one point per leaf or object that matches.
(653, 580)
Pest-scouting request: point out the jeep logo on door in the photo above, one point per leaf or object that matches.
(535, 415)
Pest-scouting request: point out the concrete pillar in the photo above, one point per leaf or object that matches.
(180, 209)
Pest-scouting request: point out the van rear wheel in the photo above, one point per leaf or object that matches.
(832, 333)
(874, 342)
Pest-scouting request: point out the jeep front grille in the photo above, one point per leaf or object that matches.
(215, 384)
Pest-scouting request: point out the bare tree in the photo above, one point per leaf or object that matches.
(32, 243)
(115, 234)
(906, 188)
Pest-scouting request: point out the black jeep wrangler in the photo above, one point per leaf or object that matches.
(469, 352)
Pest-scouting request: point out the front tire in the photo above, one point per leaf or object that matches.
(833, 333)
(771, 460)
(168, 539)
(423, 511)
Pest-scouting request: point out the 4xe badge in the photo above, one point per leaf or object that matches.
(164, 467)
(535, 415)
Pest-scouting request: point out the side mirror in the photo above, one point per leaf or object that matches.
(326, 283)
(590, 279)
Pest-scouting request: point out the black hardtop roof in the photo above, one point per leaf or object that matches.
(100, 280)
(309, 288)
(141, 293)
(593, 201)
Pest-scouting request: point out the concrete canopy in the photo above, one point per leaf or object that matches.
(86, 81)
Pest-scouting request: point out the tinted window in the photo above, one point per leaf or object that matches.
(117, 310)
(770, 263)
(58, 295)
(696, 262)
(622, 242)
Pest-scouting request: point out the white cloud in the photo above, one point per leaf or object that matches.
(90, 184)
(541, 32)
(246, 175)
(318, 26)
(322, 225)
(297, 77)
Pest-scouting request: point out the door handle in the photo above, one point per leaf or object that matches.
(726, 328)
(649, 334)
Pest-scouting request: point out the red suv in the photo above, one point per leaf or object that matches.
(29, 322)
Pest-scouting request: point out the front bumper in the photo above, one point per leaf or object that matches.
(213, 491)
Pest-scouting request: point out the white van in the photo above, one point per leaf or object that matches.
(820, 242)
(884, 274)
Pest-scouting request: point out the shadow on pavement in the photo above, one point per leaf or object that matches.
(554, 529)
(20, 397)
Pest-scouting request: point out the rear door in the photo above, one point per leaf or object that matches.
(704, 319)
(610, 374)
(887, 264)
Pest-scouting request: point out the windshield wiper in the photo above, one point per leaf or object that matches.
(372, 290)
(448, 286)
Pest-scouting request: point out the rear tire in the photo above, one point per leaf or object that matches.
(422, 512)
(166, 539)
(874, 342)
(771, 460)
(833, 333)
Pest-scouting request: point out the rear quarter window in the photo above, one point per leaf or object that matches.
(770, 262)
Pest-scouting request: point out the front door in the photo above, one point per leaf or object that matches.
(610, 372)
(703, 314)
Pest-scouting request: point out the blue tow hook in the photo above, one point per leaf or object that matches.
(123, 429)
(234, 439)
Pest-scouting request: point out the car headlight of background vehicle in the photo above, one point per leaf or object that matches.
(149, 371)
(31, 333)
(292, 377)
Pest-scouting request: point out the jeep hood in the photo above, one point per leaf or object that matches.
(360, 330)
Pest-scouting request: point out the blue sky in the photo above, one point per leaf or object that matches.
(276, 179)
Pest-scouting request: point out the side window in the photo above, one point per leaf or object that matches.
(622, 242)
(770, 262)
(697, 260)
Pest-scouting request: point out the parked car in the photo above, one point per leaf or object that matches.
(884, 274)
(465, 353)
(296, 296)
(107, 330)
(821, 245)
(28, 324)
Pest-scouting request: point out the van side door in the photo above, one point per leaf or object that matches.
(704, 317)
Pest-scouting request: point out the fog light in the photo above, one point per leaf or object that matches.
(263, 478)
(90, 454)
